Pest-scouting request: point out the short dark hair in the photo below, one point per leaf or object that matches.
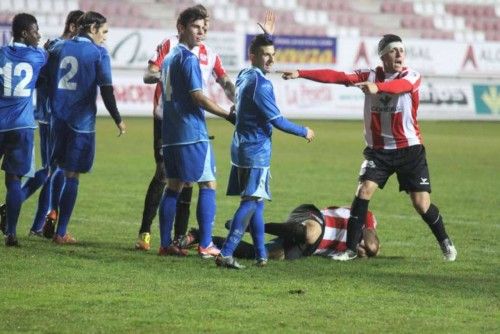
(22, 22)
(88, 19)
(192, 14)
(202, 8)
(386, 40)
(72, 18)
(258, 41)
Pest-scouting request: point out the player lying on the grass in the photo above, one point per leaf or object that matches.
(310, 231)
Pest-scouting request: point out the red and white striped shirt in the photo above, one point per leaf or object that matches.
(334, 238)
(210, 64)
(390, 115)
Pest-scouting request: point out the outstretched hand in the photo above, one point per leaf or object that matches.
(289, 75)
(269, 21)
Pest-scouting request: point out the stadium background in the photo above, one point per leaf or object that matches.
(454, 44)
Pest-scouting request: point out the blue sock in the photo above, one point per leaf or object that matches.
(13, 202)
(205, 213)
(257, 231)
(57, 180)
(30, 186)
(68, 200)
(168, 207)
(239, 224)
(43, 206)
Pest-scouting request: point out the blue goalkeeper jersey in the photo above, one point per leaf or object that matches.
(183, 120)
(256, 108)
(19, 69)
(77, 67)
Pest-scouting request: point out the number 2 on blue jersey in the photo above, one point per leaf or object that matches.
(69, 63)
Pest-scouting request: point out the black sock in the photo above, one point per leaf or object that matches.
(182, 213)
(435, 222)
(356, 221)
(294, 233)
(151, 204)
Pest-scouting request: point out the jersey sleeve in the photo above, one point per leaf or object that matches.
(104, 69)
(265, 100)
(409, 81)
(192, 72)
(331, 76)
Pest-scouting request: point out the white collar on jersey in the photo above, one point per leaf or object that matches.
(18, 44)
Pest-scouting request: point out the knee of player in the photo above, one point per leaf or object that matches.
(421, 201)
(366, 189)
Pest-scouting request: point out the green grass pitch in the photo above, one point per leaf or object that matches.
(103, 285)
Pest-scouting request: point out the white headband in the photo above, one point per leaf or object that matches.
(389, 47)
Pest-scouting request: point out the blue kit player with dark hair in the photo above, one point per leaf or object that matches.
(20, 64)
(45, 218)
(41, 177)
(256, 115)
(187, 151)
(78, 66)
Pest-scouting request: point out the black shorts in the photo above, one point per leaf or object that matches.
(409, 164)
(157, 140)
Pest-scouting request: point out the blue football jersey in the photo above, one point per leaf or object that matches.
(183, 120)
(77, 67)
(42, 108)
(255, 109)
(19, 69)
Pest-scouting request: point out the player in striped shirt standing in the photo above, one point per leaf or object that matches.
(393, 139)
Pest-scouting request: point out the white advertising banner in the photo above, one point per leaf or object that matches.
(439, 98)
(429, 57)
(460, 80)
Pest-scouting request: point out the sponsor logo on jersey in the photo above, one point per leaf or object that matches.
(383, 105)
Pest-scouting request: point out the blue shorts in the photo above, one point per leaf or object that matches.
(45, 143)
(16, 149)
(73, 151)
(252, 182)
(190, 162)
